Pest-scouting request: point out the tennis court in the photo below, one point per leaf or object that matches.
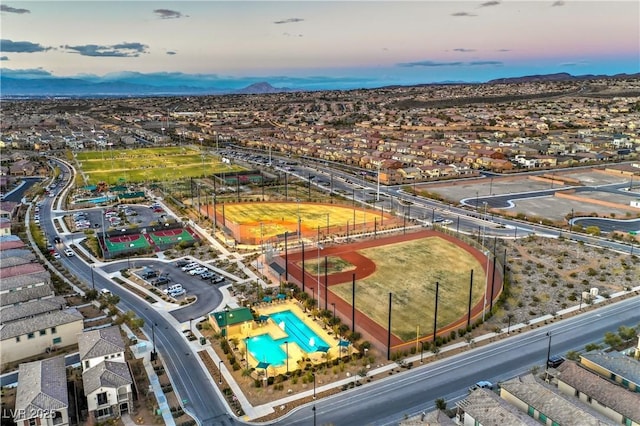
(126, 242)
(171, 236)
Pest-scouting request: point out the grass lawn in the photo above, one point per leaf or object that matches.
(334, 264)
(410, 270)
(276, 218)
(148, 164)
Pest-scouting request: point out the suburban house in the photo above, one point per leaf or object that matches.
(546, 405)
(617, 403)
(37, 327)
(5, 226)
(105, 373)
(485, 407)
(41, 397)
(22, 288)
(615, 366)
(233, 321)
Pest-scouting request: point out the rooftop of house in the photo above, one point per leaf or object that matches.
(623, 366)
(32, 324)
(25, 295)
(619, 399)
(108, 374)
(16, 252)
(34, 307)
(490, 410)
(101, 342)
(553, 405)
(42, 388)
(20, 269)
(17, 281)
(10, 261)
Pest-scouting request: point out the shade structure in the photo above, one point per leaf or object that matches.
(344, 343)
(266, 299)
(281, 296)
(263, 365)
(264, 318)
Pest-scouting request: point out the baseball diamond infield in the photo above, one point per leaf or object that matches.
(407, 266)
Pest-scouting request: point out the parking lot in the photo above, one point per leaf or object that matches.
(134, 214)
(163, 275)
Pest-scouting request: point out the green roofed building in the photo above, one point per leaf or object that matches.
(232, 321)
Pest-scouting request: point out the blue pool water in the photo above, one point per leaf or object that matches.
(102, 199)
(264, 348)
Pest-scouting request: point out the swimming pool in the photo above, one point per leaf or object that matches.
(264, 348)
(97, 200)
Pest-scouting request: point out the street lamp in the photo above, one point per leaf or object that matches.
(314, 415)
(548, 350)
(93, 282)
(246, 347)
(220, 370)
(286, 343)
(314, 386)
(318, 269)
(334, 311)
(486, 286)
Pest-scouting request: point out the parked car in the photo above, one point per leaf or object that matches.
(161, 280)
(482, 384)
(56, 255)
(105, 292)
(190, 266)
(207, 275)
(177, 293)
(217, 279)
(69, 253)
(172, 288)
(182, 262)
(198, 271)
(555, 361)
(149, 274)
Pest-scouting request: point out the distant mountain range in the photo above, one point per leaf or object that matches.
(137, 85)
(563, 76)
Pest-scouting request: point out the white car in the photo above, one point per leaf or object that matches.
(177, 293)
(190, 266)
(69, 253)
(173, 288)
(198, 271)
(56, 255)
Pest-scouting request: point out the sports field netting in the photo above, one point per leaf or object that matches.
(126, 242)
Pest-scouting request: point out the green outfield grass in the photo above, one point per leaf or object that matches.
(410, 270)
(148, 164)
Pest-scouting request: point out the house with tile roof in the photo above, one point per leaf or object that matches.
(41, 397)
(486, 408)
(37, 327)
(547, 405)
(615, 366)
(105, 373)
(605, 396)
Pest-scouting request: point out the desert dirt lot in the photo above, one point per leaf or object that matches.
(553, 208)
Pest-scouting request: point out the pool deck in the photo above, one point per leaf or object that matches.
(295, 352)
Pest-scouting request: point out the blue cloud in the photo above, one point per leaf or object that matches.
(171, 52)
(463, 50)
(476, 63)
(9, 9)
(21, 46)
(490, 3)
(26, 73)
(121, 50)
(4, 58)
(430, 64)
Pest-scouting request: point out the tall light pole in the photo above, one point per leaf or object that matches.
(318, 278)
(486, 286)
(286, 343)
(548, 350)
(334, 311)
(314, 386)
(93, 282)
(220, 370)
(226, 322)
(314, 412)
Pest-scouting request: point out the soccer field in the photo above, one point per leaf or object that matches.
(148, 164)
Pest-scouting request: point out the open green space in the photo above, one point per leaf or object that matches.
(334, 264)
(410, 270)
(148, 164)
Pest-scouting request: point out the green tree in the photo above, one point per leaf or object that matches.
(573, 356)
(612, 339)
(441, 404)
(627, 333)
(592, 230)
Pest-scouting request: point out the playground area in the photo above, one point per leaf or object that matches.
(125, 242)
(172, 236)
(256, 223)
(407, 267)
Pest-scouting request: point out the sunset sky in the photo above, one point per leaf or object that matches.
(359, 43)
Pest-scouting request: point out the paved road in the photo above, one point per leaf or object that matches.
(17, 194)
